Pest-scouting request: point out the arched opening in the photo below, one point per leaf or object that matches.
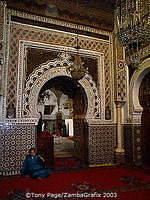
(62, 102)
(144, 98)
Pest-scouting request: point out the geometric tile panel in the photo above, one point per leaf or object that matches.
(101, 144)
(133, 143)
(121, 87)
(121, 82)
(128, 142)
(15, 140)
(20, 32)
(108, 79)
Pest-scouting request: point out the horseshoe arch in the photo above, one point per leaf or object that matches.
(48, 71)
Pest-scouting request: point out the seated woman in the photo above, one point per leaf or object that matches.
(34, 165)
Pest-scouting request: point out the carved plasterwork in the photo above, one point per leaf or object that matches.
(3, 53)
(2, 19)
(49, 70)
(55, 21)
(134, 105)
(51, 37)
(121, 81)
(1, 45)
(120, 51)
(120, 71)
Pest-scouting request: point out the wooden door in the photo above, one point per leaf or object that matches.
(45, 147)
(80, 126)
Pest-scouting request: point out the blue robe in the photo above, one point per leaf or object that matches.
(34, 167)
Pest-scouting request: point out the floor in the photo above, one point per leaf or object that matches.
(120, 183)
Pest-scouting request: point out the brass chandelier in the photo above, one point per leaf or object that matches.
(132, 20)
(77, 70)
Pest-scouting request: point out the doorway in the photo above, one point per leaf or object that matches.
(63, 104)
(144, 98)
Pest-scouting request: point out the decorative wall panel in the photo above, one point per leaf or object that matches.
(120, 51)
(101, 144)
(120, 72)
(36, 57)
(128, 143)
(138, 157)
(28, 33)
(121, 82)
(49, 71)
(78, 138)
(133, 143)
(1, 65)
(2, 15)
(2, 53)
(15, 140)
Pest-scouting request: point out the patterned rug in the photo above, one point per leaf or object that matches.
(92, 183)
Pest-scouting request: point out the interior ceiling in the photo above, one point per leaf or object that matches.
(95, 13)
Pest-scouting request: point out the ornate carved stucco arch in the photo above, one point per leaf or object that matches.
(135, 107)
(49, 70)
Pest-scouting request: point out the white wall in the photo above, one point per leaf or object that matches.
(65, 107)
(69, 126)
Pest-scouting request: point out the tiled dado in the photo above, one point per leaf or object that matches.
(15, 139)
(101, 144)
(133, 143)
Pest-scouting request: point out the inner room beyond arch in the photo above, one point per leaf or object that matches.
(62, 101)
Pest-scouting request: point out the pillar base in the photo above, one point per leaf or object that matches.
(120, 157)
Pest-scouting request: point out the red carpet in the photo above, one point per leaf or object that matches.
(66, 163)
(127, 184)
(70, 137)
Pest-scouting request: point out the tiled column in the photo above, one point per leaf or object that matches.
(119, 151)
